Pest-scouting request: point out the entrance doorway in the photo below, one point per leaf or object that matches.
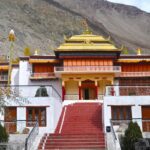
(88, 90)
(10, 119)
(86, 93)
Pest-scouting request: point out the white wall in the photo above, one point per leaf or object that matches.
(25, 70)
(135, 101)
(15, 76)
(53, 112)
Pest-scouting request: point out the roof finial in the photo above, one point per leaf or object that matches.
(65, 37)
(109, 38)
(36, 52)
(139, 51)
(86, 27)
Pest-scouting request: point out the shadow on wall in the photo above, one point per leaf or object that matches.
(41, 92)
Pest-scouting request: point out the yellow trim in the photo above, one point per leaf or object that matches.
(133, 60)
(87, 47)
(43, 61)
(3, 67)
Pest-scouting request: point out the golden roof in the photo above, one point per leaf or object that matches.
(87, 42)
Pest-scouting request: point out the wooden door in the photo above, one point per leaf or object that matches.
(92, 93)
(10, 119)
(146, 118)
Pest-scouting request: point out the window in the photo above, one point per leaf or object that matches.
(36, 113)
(121, 112)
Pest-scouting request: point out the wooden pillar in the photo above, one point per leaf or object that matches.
(96, 90)
(63, 91)
(80, 90)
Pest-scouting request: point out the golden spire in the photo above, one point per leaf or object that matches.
(139, 51)
(11, 35)
(109, 38)
(65, 37)
(86, 27)
(36, 52)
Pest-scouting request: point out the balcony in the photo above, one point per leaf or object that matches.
(134, 74)
(42, 76)
(87, 69)
(127, 91)
(3, 78)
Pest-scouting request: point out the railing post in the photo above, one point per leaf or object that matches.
(26, 144)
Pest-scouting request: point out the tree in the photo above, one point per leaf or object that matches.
(27, 51)
(10, 95)
(132, 134)
(3, 134)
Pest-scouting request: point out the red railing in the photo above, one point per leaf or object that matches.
(134, 74)
(45, 75)
(88, 69)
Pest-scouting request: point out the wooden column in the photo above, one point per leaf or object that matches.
(96, 90)
(63, 91)
(80, 90)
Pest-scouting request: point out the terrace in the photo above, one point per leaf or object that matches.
(42, 76)
(127, 91)
(87, 69)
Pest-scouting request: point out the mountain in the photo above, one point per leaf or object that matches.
(42, 24)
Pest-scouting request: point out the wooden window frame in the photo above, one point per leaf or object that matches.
(124, 108)
(33, 115)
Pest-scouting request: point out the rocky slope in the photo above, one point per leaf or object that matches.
(41, 24)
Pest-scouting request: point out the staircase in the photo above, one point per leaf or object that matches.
(79, 127)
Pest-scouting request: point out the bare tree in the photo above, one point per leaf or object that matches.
(9, 96)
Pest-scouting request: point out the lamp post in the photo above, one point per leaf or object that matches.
(11, 38)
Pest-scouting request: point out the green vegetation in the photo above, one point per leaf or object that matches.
(132, 134)
(4, 137)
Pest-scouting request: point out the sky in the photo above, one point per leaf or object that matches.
(142, 4)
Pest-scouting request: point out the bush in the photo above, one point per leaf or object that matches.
(4, 137)
(132, 134)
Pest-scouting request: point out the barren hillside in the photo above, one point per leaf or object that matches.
(41, 24)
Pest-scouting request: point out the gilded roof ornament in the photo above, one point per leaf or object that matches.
(122, 47)
(36, 52)
(109, 38)
(65, 37)
(86, 27)
(11, 35)
(139, 51)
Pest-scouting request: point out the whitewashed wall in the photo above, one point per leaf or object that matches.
(25, 70)
(15, 76)
(53, 112)
(135, 101)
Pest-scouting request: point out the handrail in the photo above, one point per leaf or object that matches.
(133, 74)
(42, 74)
(87, 68)
(32, 135)
(127, 90)
(113, 131)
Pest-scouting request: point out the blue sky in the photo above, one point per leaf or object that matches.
(142, 4)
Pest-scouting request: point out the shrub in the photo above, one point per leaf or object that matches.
(3, 134)
(132, 134)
